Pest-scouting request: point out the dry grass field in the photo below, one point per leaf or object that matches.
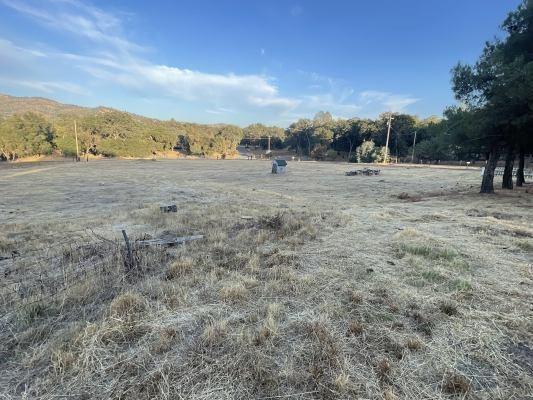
(407, 285)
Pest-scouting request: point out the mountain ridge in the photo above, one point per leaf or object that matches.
(10, 105)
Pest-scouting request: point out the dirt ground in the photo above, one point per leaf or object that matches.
(409, 284)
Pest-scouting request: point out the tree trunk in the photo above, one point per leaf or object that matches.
(520, 179)
(487, 183)
(507, 182)
(350, 152)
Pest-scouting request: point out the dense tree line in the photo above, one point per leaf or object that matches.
(364, 140)
(259, 135)
(430, 140)
(111, 133)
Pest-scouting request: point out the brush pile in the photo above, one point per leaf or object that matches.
(364, 171)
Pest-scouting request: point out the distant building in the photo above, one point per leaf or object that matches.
(279, 166)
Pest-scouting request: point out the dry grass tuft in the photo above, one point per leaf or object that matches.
(180, 268)
(214, 332)
(342, 382)
(62, 360)
(355, 328)
(164, 340)
(355, 297)
(455, 383)
(295, 227)
(323, 356)
(233, 292)
(319, 331)
(525, 244)
(388, 394)
(408, 197)
(270, 327)
(274, 222)
(414, 344)
(6, 245)
(127, 304)
(383, 368)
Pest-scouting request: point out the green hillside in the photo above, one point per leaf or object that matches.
(35, 126)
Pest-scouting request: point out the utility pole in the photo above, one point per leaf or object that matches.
(388, 135)
(76, 135)
(397, 138)
(413, 155)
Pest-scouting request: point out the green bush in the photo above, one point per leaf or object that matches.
(369, 153)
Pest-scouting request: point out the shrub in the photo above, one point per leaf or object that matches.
(369, 153)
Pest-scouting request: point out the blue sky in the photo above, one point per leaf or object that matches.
(244, 61)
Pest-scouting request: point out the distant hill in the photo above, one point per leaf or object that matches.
(36, 126)
(10, 105)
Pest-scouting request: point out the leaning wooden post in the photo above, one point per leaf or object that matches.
(76, 136)
(129, 260)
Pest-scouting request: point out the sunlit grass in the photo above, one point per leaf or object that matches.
(428, 251)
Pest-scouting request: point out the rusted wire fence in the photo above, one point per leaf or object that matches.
(47, 274)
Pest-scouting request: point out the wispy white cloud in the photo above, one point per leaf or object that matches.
(10, 50)
(77, 18)
(216, 112)
(111, 59)
(277, 102)
(45, 86)
(15, 58)
(392, 102)
(343, 101)
(127, 66)
(196, 85)
(247, 90)
(220, 111)
(328, 94)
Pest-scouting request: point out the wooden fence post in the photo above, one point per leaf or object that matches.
(128, 263)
